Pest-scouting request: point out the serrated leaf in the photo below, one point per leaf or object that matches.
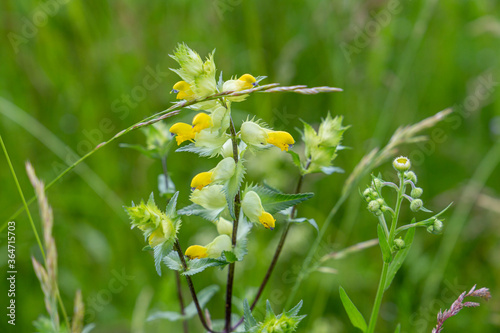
(355, 316)
(274, 202)
(194, 209)
(269, 310)
(244, 228)
(161, 251)
(170, 210)
(295, 310)
(384, 246)
(229, 256)
(201, 151)
(196, 266)
(173, 261)
(296, 160)
(249, 318)
(233, 185)
(400, 257)
(162, 186)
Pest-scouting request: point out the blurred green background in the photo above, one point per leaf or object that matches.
(67, 68)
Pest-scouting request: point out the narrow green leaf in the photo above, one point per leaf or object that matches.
(400, 257)
(296, 160)
(139, 148)
(398, 328)
(355, 316)
(194, 209)
(196, 266)
(249, 318)
(384, 246)
(303, 219)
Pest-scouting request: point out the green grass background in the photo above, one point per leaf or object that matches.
(68, 76)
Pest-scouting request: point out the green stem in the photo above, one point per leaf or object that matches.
(378, 299)
(385, 268)
(30, 218)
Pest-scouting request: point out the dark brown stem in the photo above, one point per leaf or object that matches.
(230, 274)
(177, 248)
(277, 252)
(177, 275)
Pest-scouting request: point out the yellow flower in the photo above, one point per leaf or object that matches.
(183, 131)
(183, 90)
(196, 252)
(222, 172)
(201, 180)
(201, 121)
(280, 139)
(245, 81)
(213, 250)
(252, 208)
(255, 135)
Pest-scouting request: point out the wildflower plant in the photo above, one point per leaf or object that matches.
(394, 249)
(220, 195)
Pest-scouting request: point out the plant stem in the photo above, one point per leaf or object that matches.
(385, 268)
(177, 275)
(277, 251)
(237, 204)
(378, 299)
(177, 248)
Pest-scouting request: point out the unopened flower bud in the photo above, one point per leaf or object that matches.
(416, 192)
(381, 201)
(367, 192)
(416, 205)
(401, 163)
(436, 227)
(399, 244)
(373, 206)
(377, 183)
(410, 175)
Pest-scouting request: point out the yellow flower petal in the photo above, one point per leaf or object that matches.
(280, 139)
(183, 131)
(201, 121)
(248, 81)
(196, 252)
(267, 220)
(201, 180)
(183, 90)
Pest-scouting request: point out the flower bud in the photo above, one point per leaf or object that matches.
(245, 82)
(416, 192)
(416, 205)
(227, 148)
(381, 201)
(399, 244)
(255, 135)
(401, 163)
(373, 206)
(410, 175)
(367, 192)
(377, 183)
(436, 227)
